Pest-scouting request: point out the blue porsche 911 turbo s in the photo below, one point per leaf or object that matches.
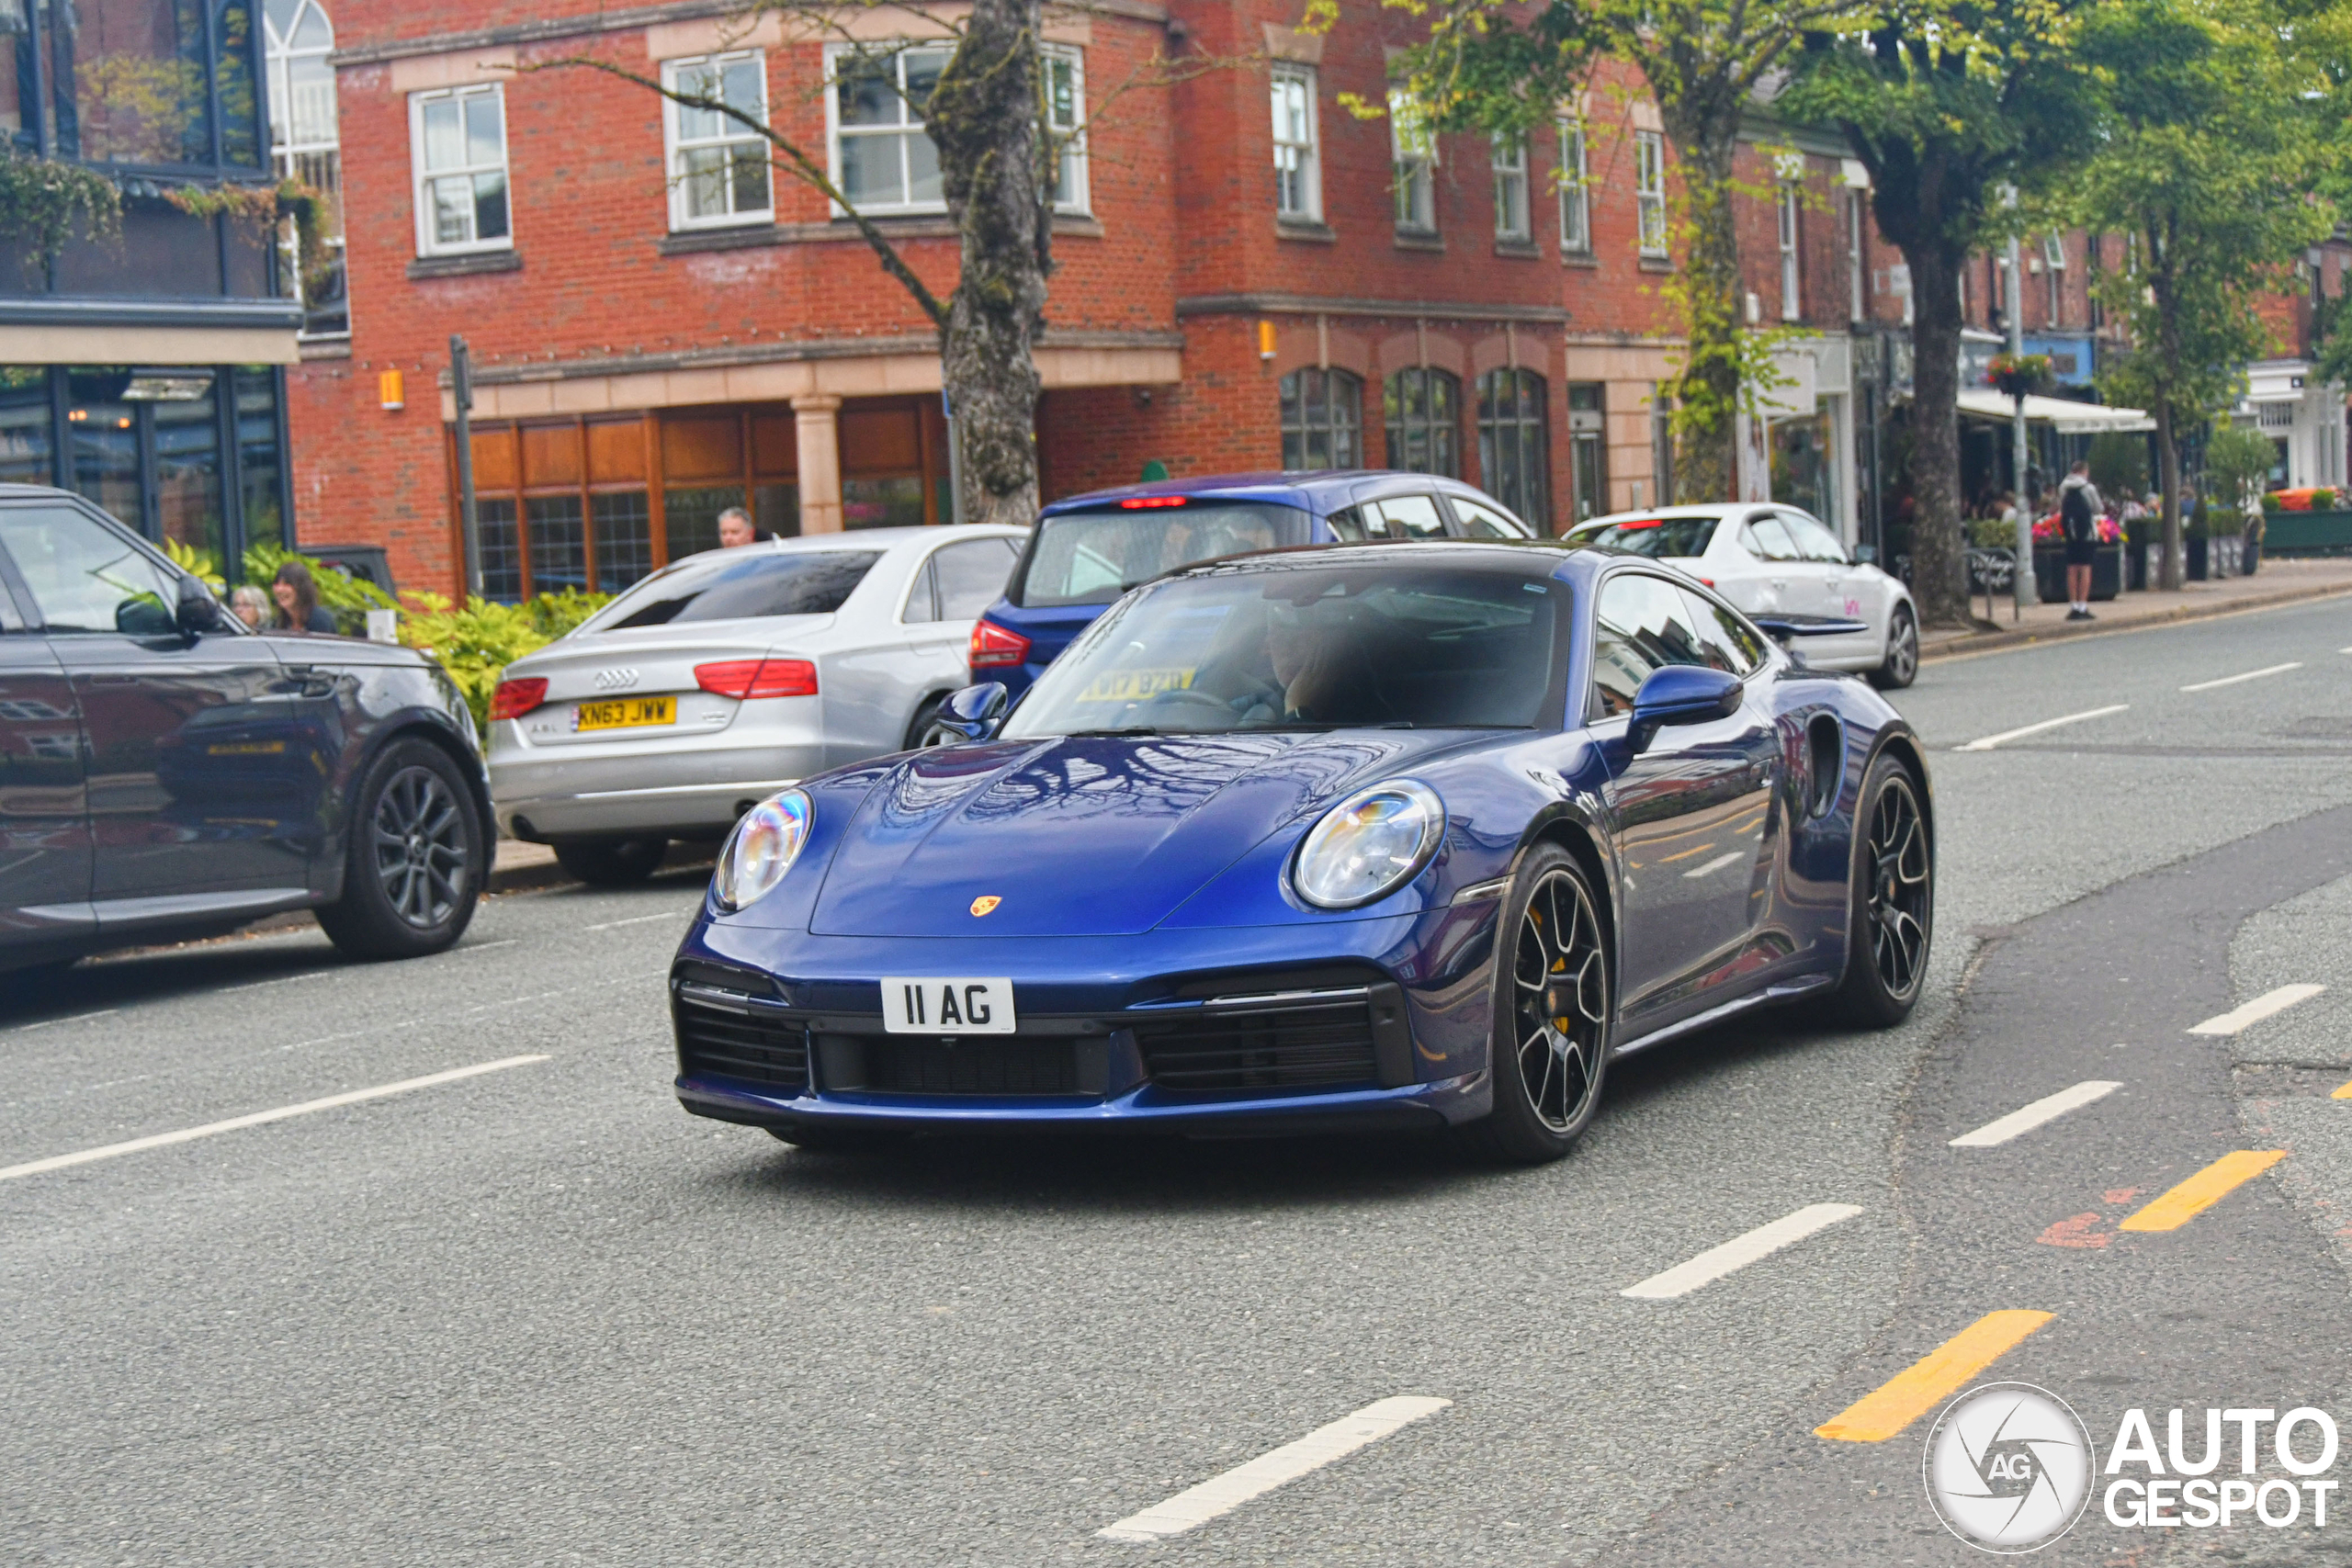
(1397, 834)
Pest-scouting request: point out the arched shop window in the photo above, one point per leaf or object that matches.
(1424, 410)
(1514, 457)
(1322, 420)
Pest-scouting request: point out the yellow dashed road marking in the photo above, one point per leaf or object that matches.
(1933, 1378)
(2202, 1191)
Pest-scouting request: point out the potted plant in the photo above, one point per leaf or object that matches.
(2049, 560)
(2019, 374)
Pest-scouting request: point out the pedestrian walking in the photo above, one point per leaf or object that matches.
(2078, 510)
(299, 610)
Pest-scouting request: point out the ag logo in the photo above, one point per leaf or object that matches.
(2008, 1467)
(984, 903)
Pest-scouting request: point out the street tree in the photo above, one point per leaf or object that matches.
(1951, 105)
(1504, 67)
(988, 113)
(2204, 158)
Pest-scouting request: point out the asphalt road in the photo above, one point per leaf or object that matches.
(537, 1315)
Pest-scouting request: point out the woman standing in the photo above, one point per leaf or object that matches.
(299, 610)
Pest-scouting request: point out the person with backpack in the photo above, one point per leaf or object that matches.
(2078, 509)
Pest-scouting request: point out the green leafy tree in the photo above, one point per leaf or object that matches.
(2205, 154)
(1504, 67)
(1949, 107)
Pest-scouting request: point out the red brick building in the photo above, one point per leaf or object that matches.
(1249, 275)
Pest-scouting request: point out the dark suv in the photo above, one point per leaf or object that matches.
(165, 773)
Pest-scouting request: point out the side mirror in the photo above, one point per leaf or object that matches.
(1682, 694)
(197, 611)
(972, 714)
(1866, 555)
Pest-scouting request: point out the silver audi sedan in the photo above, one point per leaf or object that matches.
(727, 676)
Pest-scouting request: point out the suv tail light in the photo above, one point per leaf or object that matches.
(745, 679)
(513, 699)
(994, 646)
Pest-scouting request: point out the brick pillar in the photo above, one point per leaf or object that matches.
(818, 434)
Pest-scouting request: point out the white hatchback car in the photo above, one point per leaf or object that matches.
(727, 676)
(1777, 559)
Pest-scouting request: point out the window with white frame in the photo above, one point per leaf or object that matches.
(1063, 70)
(883, 160)
(1855, 275)
(1649, 191)
(1576, 195)
(2053, 262)
(1511, 189)
(1413, 147)
(1298, 184)
(457, 149)
(718, 166)
(1792, 305)
(305, 142)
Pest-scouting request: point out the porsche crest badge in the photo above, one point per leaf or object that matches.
(984, 903)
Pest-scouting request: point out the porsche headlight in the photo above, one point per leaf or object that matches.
(762, 849)
(1369, 845)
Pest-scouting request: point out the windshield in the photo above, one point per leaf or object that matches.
(728, 585)
(1307, 648)
(1091, 557)
(1656, 537)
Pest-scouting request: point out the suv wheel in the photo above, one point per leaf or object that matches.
(417, 857)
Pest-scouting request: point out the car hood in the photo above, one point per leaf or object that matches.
(1080, 836)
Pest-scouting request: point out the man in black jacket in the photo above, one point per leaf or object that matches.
(2079, 510)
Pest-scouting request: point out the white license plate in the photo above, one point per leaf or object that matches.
(935, 1006)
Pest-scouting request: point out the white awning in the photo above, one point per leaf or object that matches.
(2062, 414)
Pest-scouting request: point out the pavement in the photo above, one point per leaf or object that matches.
(535, 1314)
(2279, 581)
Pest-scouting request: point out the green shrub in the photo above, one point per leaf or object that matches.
(2119, 464)
(2237, 465)
(476, 644)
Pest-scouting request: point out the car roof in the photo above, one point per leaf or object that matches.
(871, 538)
(1321, 485)
(1499, 554)
(1699, 509)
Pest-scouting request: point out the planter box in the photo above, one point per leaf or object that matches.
(2050, 574)
(2306, 533)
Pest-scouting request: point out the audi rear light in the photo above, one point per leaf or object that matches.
(745, 679)
(1708, 580)
(993, 646)
(513, 699)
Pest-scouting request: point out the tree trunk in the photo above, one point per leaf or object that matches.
(1708, 290)
(1938, 557)
(2168, 466)
(984, 118)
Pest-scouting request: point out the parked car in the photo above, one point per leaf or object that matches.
(1431, 834)
(725, 676)
(1779, 560)
(1088, 550)
(167, 775)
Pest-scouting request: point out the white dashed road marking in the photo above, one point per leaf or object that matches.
(1223, 1494)
(1986, 743)
(2249, 675)
(2025, 1119)
(236, 1124)
(2255, 1011)
(1739, 1252)
(635, 920)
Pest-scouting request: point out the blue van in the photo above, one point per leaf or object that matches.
(1087, 551)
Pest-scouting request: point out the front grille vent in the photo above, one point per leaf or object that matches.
(1271, 1043)
(899, 1063)
(723, 1032)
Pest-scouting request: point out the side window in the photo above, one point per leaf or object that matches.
(922, 598)
(1814, 541)
(1765, 536)
(1346, 526)
(86, 579)
(1408, 517)
(1481, 522)
(1729, 643)
(971, 577)
(1643, 624)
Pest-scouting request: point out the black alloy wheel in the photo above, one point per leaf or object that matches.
(417, 859)
(1902, 665)
(1550, 1043)
(1892, 920)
